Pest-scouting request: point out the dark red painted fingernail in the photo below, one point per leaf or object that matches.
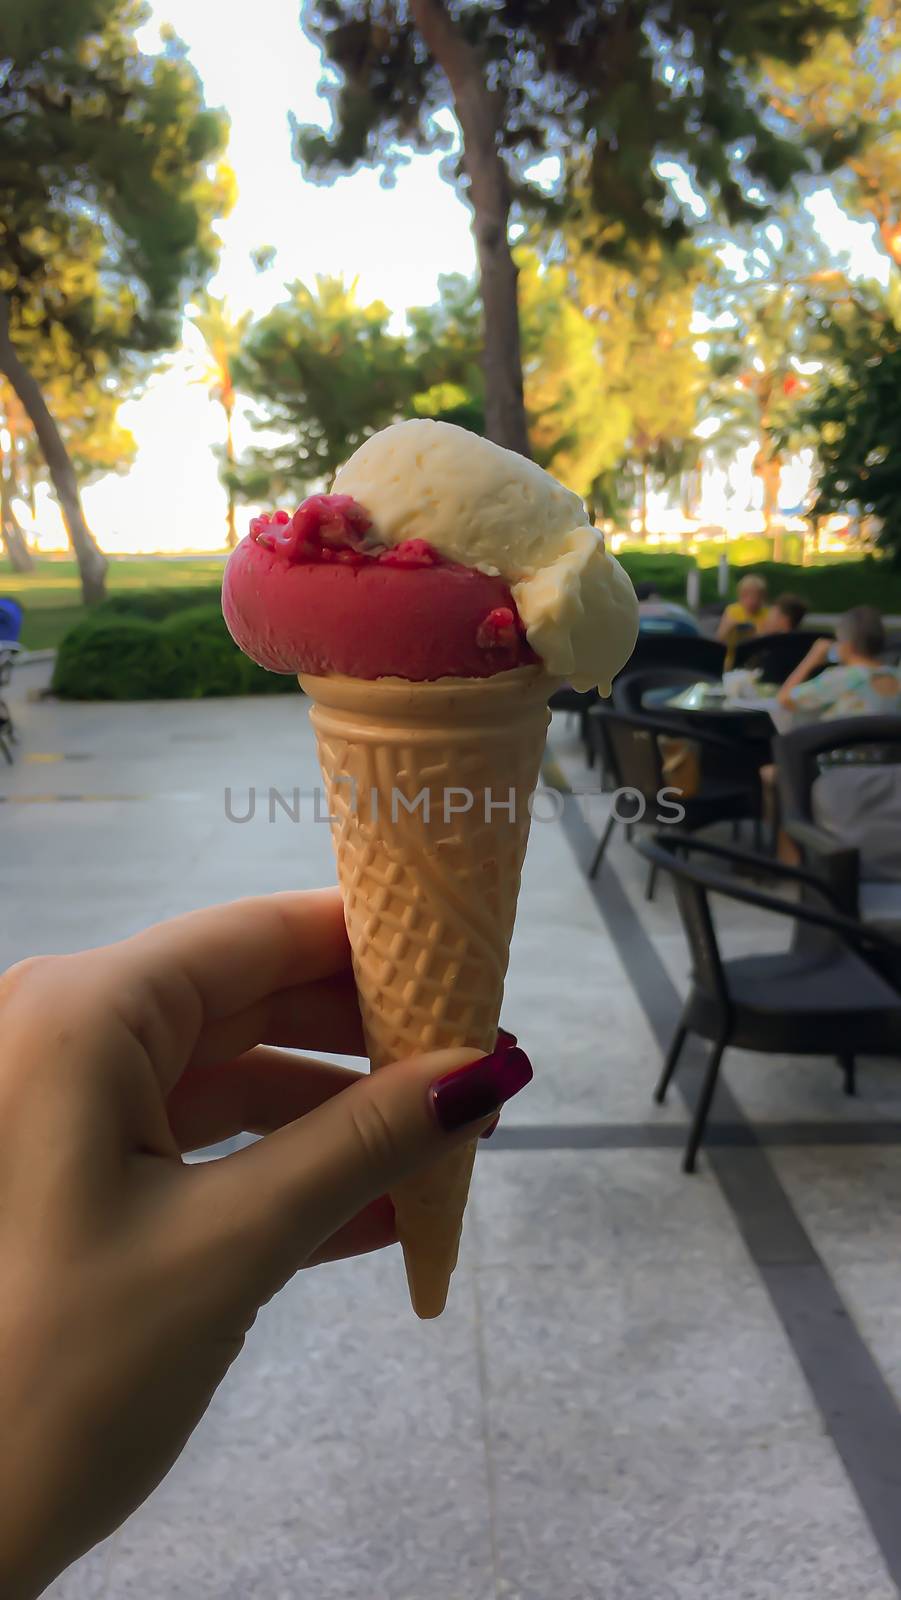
(505, 1040)
(383, 1210)
(491, 1128)
(479, 1088)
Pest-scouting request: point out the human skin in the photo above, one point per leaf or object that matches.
(818, 656)
(751, 593)
(129, 1278)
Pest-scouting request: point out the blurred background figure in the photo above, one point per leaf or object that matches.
(861, 684)
(746, 615)
(786, 614)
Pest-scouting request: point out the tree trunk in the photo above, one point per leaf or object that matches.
(231, 531)
(20, 557)
(11, 535)
(479, 113)
(29, 494)
(92, 563)
(643, 496)
(768, 467)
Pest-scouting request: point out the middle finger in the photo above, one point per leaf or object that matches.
(255, 1093)
(311, 1016)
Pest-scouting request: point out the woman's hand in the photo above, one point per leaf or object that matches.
(129, 1278)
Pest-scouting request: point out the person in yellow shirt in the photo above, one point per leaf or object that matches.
(746, 615)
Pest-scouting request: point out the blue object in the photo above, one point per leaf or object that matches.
(10, 620)
(684, 626)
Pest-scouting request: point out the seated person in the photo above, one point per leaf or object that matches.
(786, 614)
(746, 615)
(860, 685)
(656, 615)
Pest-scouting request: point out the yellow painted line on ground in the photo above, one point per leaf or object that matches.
(43, 757)
(56, 799)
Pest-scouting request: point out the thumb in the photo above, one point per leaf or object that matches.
(267, 1208)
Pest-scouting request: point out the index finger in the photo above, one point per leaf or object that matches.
(237, 953)
(175, 979)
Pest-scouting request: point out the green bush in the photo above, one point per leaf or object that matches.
(189, 655)
(832, 586)
(108, 659)
(156, 604)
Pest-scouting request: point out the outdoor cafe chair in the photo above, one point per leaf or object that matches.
(839, 786)
(632, 752)
(827, 995)
(775, 655)
(8, 653)
(705, 657)
(630, 687)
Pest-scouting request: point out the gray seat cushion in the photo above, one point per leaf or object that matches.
(880, 904)
(860, 805)
(840, 981)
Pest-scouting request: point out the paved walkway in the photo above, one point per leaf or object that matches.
(646, 1387)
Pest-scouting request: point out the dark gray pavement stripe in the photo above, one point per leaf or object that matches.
(669, 1136)
(858, 1408)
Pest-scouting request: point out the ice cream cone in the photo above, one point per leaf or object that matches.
(428, 787)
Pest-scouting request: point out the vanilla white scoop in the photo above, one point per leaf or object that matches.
(492, 509)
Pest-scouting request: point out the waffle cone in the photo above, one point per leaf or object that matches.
(429, 888)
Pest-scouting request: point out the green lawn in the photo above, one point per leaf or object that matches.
(51, 595)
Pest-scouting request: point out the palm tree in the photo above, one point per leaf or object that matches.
(766, 331)
(222, 335)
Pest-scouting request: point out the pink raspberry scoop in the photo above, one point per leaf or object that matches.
(318, 592)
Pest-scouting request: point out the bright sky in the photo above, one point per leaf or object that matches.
(395, 241)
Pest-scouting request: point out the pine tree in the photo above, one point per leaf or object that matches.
(613, 85)
(108, 191)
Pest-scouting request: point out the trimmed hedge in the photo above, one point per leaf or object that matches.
(172, 644)
(154, 605)
(834, 586)
(188, 655)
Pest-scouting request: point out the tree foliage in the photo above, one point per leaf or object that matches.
(610, 369)
(857, 418)
(609, 90)
(623, 82)
(767, 311)
(222, 333)
(87, 415)
(845, 100)
(324, 372)
(109, 186)
(109, 176)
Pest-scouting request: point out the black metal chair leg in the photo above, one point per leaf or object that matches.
(671, 1062)
(848, 1065)
(652, 881)
(703, 1107)
(602, 845)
